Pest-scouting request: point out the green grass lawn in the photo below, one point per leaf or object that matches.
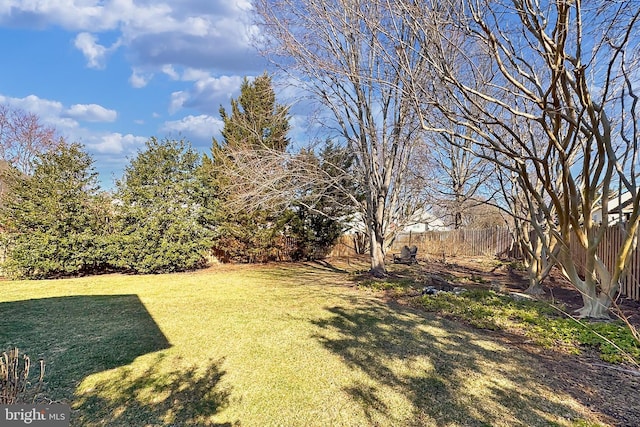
(286, 345)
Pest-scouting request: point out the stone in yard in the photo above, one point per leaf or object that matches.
(430, 290)
(439, 283)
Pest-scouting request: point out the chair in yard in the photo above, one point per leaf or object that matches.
(407, 255)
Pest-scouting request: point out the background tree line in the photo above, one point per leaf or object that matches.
(170, 209)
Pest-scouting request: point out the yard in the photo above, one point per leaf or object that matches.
(291, 345)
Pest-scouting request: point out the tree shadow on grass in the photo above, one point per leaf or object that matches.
(451, 375)
(309, 271)
(161, 395)
(79, 335)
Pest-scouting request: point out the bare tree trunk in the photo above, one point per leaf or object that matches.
(596, 303)
(535, 270)
(377, 255)
(538, 272)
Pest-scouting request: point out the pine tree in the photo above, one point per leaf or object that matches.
(54, 220)
(256, 122)
(161, 214)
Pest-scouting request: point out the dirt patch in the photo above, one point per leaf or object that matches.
(487, 272)
(609, 390)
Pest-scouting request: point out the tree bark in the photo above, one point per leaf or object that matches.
(377, 256)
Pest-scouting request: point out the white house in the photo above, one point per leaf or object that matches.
(419, 222)
(619, 209)
(422, 221)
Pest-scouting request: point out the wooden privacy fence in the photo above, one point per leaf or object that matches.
(349, 245)
(482, 242)
(496, 242)
(281, 249)
(499, 242)
(608, 251)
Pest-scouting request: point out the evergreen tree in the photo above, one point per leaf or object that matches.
(319, 216)
(162, 210)
(54, 221)
(256, 122)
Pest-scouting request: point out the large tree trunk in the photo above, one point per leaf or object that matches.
(377, 256)
(533, 254)
(535, 280)
(540, 263)
(377, 234)
(596, 305)
(596, 299)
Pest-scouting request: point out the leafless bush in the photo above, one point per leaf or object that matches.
(14, 377)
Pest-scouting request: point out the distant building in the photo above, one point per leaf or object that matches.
(422, 221)
(620, 208)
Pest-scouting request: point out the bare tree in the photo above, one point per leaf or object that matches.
(462, 180)
(567, 69)
(262, 178)
(538, 245)
(22, 137)
(340, 51)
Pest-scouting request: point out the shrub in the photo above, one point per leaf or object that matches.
(14, 377)
(161, 215)
(55, 220)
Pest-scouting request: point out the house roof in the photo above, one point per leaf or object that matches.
(619, 203)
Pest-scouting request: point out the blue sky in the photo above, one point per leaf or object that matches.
(111, 73)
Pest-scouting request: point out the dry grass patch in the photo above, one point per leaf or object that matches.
(274, 345)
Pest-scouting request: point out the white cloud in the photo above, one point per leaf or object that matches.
(200, 127)
(170, 71)
(67, 122)
(91, 113)
(193, 75)
(56, 114)
(177, 101)
(95, 53)
(81, 15)
(139, 78)
(49, 112)
(198, 26)
(207, 92)
(115, 143)
(190, 33)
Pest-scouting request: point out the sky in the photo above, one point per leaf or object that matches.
(109, 74)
